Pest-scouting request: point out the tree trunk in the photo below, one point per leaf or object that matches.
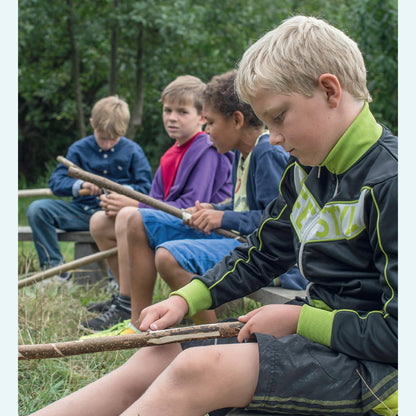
(75, 70)
(137, 113)
(113, 55)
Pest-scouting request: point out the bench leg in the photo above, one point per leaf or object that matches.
(89, 273)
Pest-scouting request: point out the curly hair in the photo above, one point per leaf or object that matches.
(220, 94)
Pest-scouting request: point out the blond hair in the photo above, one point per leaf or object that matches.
(291, 58)
(111, 115)
(184, 90)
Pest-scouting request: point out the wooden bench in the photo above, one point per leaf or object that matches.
(270, 295)
(84, 246)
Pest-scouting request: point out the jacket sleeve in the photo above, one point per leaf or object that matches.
(266, 171)
(372, 335)
(59, 182)
(249, 266)
(141, 173)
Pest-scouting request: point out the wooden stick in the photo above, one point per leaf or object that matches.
(123, 342)
(22, 193)
(146, 199)
(67, 266)
(66, 162)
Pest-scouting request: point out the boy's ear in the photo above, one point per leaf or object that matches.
(238, 119)
(331, 86)
(91, 122)
(202, 119)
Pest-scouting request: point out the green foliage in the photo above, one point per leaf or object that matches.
(199, 37)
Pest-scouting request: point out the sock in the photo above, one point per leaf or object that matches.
(130, 325)
(124, 302)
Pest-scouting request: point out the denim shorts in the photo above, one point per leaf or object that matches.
(195, 252)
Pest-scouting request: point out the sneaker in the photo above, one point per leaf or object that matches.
(101, 306)
(117, 329)
(63, 278)
(113, 315)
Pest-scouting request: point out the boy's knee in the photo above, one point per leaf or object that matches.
(193, 364)
(35, 209)
(134, 223)
(97, 223)
(164, 261)
(122, 217)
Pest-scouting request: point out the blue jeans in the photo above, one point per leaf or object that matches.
(45, 216)
(197, 252)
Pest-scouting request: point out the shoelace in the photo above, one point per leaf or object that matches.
(110, 312)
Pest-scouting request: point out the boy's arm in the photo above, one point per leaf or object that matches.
(266, 171)
(141, 173)
(249, 266)
(59, 182)
(372, 335)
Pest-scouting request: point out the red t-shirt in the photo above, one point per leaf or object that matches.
(170, 162)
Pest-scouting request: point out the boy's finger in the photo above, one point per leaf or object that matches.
(147, 319)
(244, 334)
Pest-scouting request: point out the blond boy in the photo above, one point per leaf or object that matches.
(106, 152)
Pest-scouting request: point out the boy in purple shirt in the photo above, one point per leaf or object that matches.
(190, 170)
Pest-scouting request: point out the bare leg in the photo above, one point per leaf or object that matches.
(121, 227)
(114, 392)
(103, 231)
(176, 277)
(200, 380)
(142, 270)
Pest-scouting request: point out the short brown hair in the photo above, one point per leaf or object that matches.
(184, 90)
(111, 115)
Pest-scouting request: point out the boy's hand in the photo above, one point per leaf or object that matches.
(163, 314)
(198, 206)
(113, 202)
(94, 189)
(205, 218)
(276, 320)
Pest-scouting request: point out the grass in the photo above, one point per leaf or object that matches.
(51, 313)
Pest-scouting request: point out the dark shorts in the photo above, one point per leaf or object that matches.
(300, 377)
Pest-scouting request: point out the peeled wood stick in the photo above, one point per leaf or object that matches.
(67, 266)
(123, 342)
(22, 193)
(66, 162)
(155, 203)
(34, 192)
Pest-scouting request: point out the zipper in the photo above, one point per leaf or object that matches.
(307, 231)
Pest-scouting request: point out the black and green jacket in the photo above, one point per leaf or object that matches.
(341, 219)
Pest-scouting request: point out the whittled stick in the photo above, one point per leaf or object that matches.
(146, 199)
(123, 342)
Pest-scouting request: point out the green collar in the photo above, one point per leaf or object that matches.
(359, 137)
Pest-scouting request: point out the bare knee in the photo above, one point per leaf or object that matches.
(165, 262)
(123, 215)
(136, 232)
(101, 226)
(170, 270)
(193, 365)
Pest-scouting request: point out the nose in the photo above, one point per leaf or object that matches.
(172, 115)
(207, 129)
(276, 138)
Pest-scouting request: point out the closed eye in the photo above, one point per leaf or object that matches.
(279, 118)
